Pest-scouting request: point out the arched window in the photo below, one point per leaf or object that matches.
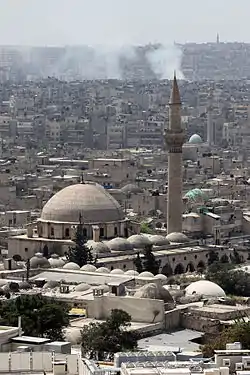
(67, 232)
(116, 231)
(52, 232)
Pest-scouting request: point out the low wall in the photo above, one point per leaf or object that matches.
(189, 321)
(172, 319)
(141, 310)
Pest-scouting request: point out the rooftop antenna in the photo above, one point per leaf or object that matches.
(218, 38)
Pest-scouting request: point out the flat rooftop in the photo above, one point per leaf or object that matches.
(173, 342)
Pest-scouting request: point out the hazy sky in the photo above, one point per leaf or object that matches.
(59, 22)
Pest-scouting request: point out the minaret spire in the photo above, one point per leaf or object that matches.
(175, 97)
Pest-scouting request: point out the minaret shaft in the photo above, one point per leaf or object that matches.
(174, 139)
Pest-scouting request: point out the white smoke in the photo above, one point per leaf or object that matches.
(165, 60)
(108, 62)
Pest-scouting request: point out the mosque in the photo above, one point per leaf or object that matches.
(111, 236)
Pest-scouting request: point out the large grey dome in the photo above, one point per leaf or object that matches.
(92, 201)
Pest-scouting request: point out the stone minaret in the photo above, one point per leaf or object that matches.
(210, 124)
(174, 137)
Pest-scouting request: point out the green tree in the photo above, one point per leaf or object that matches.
(235, 257)
(102, 340)
(150, 264)
(40, 317)
(80, 253)
(145, 228)
(213, 257)
(232, 281)
(138, 263)
(239, 332)
(147, 262)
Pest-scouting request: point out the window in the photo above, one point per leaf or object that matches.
(84, 232)
(26, 249)
(116, 231)
(67, 232)
(101, 232)
(52, 232)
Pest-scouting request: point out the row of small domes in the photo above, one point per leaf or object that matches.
(136, 241)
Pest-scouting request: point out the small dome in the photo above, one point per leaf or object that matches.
(51, 284)
(131, 189)
(117, 271)
(102, 270)
(82, 287)
(131, 273)
(25, 285)
(205, 288)
(195, 139)
(39, 261)
(161, 277)
(177, 237)
(71, 266)
(139, 241)
(55, 261)
(154, 291)
(158, 240)
(97, 247)
(146, 274)
(196, 196)
(119, 244)
(88, 268)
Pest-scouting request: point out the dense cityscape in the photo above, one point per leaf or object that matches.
(125, 209)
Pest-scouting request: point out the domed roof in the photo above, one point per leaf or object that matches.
(39, 261)
(139, 241)
(55, 261)
(154, 291)
(131, 189)
(88, 268)
(102, 270)
(51, 284)
(82, 287)
(161, 277)
(158, 240)
(71, 266)
(195, 139)
(98, 247)
(92, 201)
(119, 244)
(196, 195)
(146, 274)
(205, 288)
(117, 271)
(177, 237)
(131, 273)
